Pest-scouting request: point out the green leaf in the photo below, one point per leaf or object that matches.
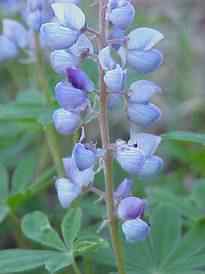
(71, 225)
(169, 229)
(36, 227)
(185, 136)
(17, 260)
(4, 183)
(23, 173)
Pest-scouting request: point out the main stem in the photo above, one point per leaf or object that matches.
(105, 137)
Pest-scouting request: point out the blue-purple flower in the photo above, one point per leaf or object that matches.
(65, 31)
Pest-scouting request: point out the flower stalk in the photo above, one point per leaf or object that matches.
(105, 138)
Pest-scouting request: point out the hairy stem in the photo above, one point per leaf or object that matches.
(105, 137)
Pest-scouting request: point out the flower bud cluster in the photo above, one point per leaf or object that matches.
(69, 46)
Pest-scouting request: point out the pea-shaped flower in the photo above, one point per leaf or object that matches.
(115, 79)
(121, 13)
(80, 177)
(131, 208)
(141, 54)
(130, 158)
(65, 32)
(84, 155)
(66, 122)
(124, 189)
(135, 230)
(148, 143)
(69, 97)
(67, 191)
(79, 79)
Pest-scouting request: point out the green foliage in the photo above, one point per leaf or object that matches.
(185, 136)
(167, 250)
(36, 227)
(71, 226)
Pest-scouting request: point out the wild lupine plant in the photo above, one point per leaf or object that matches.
(66, 37)
(65, 34)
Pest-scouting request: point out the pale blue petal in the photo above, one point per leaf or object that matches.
(143, 114)
(131, 159)
(122, 16)
(66, 122)
(56, 36)
(61, 60)
(115, 79)
(142, 91)
(105, 59)
(69, 97)
(152, 166)
(67, 192)
(135, 230)
(148, 143)
(145, 61)
(82, 47)
(69, 15)
(81, 178)
(144, 39)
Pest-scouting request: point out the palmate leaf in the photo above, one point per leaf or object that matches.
(165, 251)
(36, 227)
(18, 261)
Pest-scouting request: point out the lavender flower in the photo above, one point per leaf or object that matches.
(124, 189)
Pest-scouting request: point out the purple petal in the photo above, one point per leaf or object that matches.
(69, 97)
(131, 208)
(79, 79)
(124, 189)
(152, 166)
